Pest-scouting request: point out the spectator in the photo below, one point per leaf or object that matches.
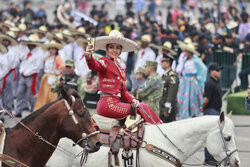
(212, 101)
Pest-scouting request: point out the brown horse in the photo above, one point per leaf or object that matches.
(53, 121)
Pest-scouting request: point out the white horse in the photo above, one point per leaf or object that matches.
(190, 135)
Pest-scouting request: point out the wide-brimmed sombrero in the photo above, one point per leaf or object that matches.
(81, 41)
(3, 49)
(115, 37)
(56, 36)
(168, 46)
(10, 36)
(52, 44)
(32, 40)
(7, 23)
(42, 29)
(232, 24)
(186, 41)
(146, 38)
(80, 31)
(189, 47)
(67, 34)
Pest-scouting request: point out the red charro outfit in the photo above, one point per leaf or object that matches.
(112, 80)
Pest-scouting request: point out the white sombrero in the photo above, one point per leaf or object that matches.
(32, 40)
(67, 34)
(81, 41)
(118, 38)
(189, 47)
(168, 46)
(10, 36)
(56, 36)
(80, 31)
(146, 38)
(232, 24)
(21, 27)
(42, 29)
(3, 49)
(52, 44)
(7, 23)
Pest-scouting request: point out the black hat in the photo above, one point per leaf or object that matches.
(214, 66)
(167, 57)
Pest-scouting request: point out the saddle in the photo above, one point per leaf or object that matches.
(127, 136)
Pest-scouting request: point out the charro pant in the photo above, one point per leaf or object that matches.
(6, 97)
(24, 92)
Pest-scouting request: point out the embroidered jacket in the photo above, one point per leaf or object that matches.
(112, 78)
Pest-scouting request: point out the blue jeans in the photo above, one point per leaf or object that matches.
(210, 111)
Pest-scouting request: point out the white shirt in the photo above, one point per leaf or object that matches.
(33, 64)
(143, 56)
(4, 65)
(189, 67)
(160, 71)
(66, 52)
(49, 65)
(81, 67)
(13, 56)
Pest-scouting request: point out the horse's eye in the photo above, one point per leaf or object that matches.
(228, 138)
(80, 114)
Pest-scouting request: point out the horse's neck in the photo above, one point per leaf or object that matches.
(188, 135)
(45, 124)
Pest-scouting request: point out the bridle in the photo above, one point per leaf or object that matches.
(85, 136)
(228, 153)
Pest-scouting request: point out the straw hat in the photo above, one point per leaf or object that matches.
(42, 29)
(168, 46)
(67, 34)
(80, 31)
(232, 24)
(189, 47)
(52, 44)
(10, 36)
(115, 37)
(32, 40)
(186, 41)
(146, 38)
(7, 23)
(3, 49)
(56, 36)
(81, 41)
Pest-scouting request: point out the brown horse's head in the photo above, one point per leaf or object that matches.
(77, 124)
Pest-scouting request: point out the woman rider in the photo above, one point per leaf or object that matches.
(112, 78)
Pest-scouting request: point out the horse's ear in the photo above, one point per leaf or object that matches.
(229, 115)
(222, 117)
(64, 94)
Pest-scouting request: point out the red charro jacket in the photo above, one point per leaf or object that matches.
(112, 78)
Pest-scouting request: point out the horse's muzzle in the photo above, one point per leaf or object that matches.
(96, 147)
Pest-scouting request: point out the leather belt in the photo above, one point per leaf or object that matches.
(102, 94)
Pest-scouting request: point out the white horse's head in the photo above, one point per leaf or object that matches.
(221, 142)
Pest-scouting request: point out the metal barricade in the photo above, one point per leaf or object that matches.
(228, 74)
(245, 70)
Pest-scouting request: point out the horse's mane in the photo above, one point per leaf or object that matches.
(36, 113)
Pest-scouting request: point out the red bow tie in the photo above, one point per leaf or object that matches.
(83, 56)
(28, 55)
(142, 54)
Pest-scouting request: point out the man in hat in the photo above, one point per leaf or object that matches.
(69, 80)
(165, 49)
(145, 53)
(31, 64)
(168, 103)
(68, 47)
(11, 57)
(152, 88)
(41, 33)
(5, 26)
(212, 101)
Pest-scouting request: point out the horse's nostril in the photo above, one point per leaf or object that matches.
(98, 144)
